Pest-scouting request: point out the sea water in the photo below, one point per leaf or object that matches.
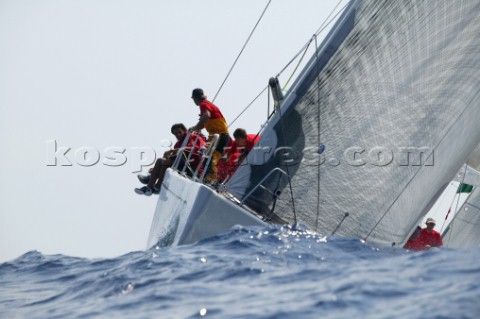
(249, 272)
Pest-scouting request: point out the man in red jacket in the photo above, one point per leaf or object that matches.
(236, 152)
(157, 173)
(244, 142)
(429, 237)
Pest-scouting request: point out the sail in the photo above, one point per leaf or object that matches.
(468, 175)
(464, 230)
(376, 125)
(474, 159)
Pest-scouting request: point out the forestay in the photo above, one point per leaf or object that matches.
(392, 94)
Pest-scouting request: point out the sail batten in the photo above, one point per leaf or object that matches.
(395, 103)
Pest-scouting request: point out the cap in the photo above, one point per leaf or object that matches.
(430, 221)
(197, 93)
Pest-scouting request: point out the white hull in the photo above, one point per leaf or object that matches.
(188, 211)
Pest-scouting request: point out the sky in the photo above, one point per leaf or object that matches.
(82, 81)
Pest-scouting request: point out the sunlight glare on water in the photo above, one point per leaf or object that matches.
(250, 272)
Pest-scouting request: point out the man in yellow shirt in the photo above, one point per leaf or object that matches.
(213, 121)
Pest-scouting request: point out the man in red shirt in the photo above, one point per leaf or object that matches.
(429, 237)
(413, 243)
(236, 153)
(244, 142)
(213, 121)
(157, 173)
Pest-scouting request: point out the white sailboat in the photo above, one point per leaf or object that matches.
(391, 94)
(460, 225)
(464, 229)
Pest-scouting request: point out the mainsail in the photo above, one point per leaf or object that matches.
(392, 96)
(469, 173)
(464, 230)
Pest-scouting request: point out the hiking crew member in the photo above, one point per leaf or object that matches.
(157, 173)
(213, 121)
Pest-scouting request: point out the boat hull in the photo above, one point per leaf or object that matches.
(189, 211)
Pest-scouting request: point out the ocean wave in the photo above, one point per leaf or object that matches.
(248, 272)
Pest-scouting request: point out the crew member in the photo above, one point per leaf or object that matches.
(213, 121)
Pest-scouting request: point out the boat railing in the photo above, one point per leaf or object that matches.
(180, 152)
(261, 185)
(206, 154)
(190, 153)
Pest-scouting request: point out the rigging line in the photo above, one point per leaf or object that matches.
(275, 197)
(248, 106)
(320, 30)
(453, 199)
(241, 51)
(291, 61)
(318, 134)
(298, 64)
(345, 215)
(469, 105)
(447, 241)
(268, 102)
(456, 209)
(450, 210)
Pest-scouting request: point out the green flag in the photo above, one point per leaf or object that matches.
(464, 188)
